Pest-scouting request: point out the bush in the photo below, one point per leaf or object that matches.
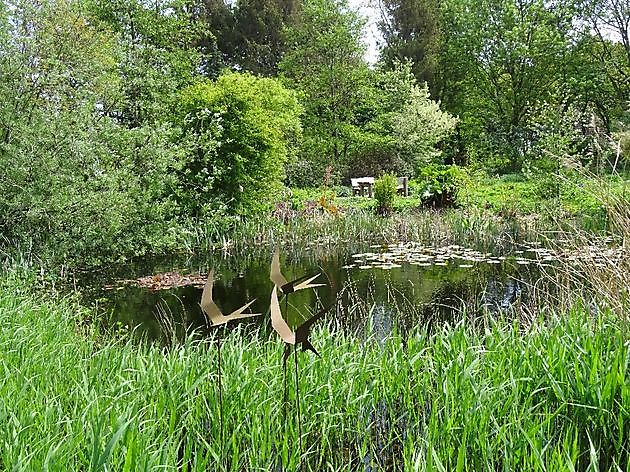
(420, 126)
(385, 193)
(76, 186)
(440, 184)
(343, 191)
(240, 131)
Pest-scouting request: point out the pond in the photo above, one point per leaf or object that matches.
(376, 288)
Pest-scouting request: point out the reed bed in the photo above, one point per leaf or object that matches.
(479, 228)
(552, 397)
(594, 270)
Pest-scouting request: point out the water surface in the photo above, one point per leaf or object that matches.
(374, 289)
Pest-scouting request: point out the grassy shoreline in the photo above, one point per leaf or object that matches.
(550, 396)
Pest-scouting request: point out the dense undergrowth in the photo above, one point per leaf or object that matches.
(486, 208)
(552, 395)
(358, 226)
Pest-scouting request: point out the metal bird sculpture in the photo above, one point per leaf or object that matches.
(217, 318)
(296, 337)
(293, 338)
(214, 313)
(283, 284)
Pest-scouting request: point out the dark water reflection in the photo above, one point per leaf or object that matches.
(369, 301)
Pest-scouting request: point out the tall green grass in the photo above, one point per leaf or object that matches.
(555, 397)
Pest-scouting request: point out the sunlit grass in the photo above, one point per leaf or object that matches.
(552, 396)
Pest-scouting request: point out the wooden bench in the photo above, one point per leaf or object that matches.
(363, 185)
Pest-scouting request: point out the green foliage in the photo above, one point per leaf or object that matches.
(566, 195)
(420, 126)
(375, 121)
(399, 125)
(529, 390)
(325, 64)
(76, 186)
(501, 65)
(507, 195)
(239, 132)
(385, 193)
(604, 68)
(411, 31)
(623, 148)
(440, 184)
(158, 55)
(100, 149)
(260, 33)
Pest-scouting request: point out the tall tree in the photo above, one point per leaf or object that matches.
(411, 30)
(506, 60)
(326, 64)
(159, 55)
(610, 19)
(605, 45)
(217, 39)
(260, 33)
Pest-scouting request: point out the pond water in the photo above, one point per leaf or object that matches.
(375, 288)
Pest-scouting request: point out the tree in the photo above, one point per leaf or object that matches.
(325, 63)
(506, 59)
(159, 54)
(420, 126)
(216, 39)
(75, 184)
(610, 20)
(604, 43)
(240, 131)
(398, 125)
(411, 30)
(259, 29)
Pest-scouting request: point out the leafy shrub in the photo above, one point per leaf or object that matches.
(343, 191)
(299, 197)
(440, 184)
(543, 173)
(239, 131)
(420, 126)
(76, 186)
(385, 193)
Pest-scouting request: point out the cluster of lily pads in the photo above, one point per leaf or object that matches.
(392, 256)
(395, 255)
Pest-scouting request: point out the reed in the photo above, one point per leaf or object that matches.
(478, 228)
(552, 397)
(594, 269)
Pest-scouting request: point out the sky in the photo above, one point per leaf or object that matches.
(371, 34)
